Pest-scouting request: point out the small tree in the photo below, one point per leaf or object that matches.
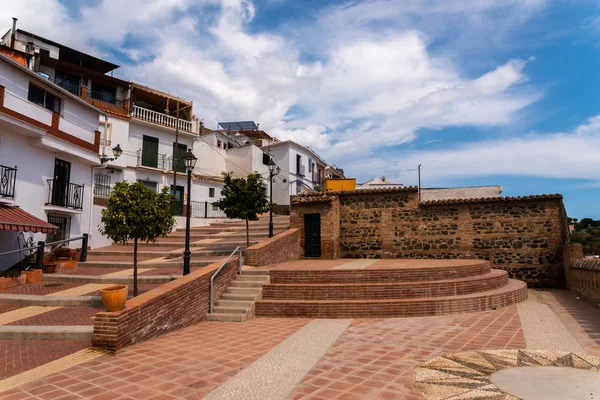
(243, 198)
(136, 212)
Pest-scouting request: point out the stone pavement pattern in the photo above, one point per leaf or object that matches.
(371, 359)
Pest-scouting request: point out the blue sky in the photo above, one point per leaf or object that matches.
(478, 92)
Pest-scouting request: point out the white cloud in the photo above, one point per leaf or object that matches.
(378, 70)
(572, 155)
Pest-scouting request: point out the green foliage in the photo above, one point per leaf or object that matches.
(136, 212)
(243, 198)
(587, 232)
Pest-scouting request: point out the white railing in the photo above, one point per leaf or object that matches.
(160, 118)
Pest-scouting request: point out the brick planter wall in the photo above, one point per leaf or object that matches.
(584, 279)
(171, 306)
(280, 248)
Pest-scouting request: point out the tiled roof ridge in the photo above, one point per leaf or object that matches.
(493, 199)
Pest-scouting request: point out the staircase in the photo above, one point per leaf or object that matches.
(388, 288)
(237, 303)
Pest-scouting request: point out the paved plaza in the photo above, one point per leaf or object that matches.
(285, 358)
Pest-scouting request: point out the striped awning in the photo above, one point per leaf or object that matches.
(15, 219)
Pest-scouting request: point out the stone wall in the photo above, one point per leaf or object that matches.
(280, 248)
(171, 306)
(523, 236)
(583, 275)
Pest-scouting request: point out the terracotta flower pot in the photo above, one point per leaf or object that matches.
(22, 279)
(114, 297)
(49, 268)
(33, 276)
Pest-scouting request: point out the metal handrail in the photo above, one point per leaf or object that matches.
(219, 270)
(18, 250)
(66, 240)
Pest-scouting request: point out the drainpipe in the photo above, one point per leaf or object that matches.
(103, 166)
(13, 33)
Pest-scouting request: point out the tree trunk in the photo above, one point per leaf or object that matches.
(135, 280)
(247, 235)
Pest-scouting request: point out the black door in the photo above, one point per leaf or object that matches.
(60, 185)
(312, 235)
(178, 203)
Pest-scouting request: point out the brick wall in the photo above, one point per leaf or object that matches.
(171, 306)
(279, 248)
(329, 209)
(523, 236)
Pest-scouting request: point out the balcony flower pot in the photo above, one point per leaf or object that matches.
(33, 276)
(114, 297)
(49, 268)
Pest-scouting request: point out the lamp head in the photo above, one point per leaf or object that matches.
(189, 160)
(117, 151)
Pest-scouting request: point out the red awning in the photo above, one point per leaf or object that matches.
(15, 219)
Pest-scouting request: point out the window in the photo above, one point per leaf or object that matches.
(266, 159)
(211, 192)
(179, 150)
(149, 152)
(229, 145)
(43, 98)
(150, 185)
(63, 222)
(102, 187)
(298, 187)
(310, 165)
(299, 166)
(219, 143)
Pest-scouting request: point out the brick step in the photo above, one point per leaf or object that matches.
(157, 279)
(217, 229)
(246, 284)
(238, 296)
(247, 270)
(384, 290)
(255, 278)
(50, 301)
(61, 332)
(232, 309)
(514, 292)
(226, 317)
(400, 274)
(243, 290)
(161, 264)
(234, 303)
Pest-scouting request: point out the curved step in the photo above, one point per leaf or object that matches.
(50, 301)
(378, 275)
(158, 279)
(393, 290)
(514, 292)
(59, 332)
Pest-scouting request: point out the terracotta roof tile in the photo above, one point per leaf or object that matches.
(492, 199)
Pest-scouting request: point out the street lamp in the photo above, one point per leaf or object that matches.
(116, 153)
(190, 162)
(273, 170)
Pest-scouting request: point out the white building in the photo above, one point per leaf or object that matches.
(49, 143)
(378, 183)
(301, 170)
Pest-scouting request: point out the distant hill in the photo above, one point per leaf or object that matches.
(586, 232)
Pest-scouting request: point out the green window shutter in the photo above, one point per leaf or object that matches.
(179, 151)
(150, 152)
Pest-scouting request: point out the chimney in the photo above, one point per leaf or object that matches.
(13, 33)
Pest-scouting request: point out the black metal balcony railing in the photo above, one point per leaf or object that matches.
(8, 180)
(64, 194)
(152, 160)
(104, 97)
(176, 165)
(71, 87)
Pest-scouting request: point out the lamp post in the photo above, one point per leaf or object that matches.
(190, 162)
(273, 170)
(116, 153)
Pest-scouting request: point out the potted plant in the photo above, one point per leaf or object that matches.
(49, 268)
(114, 297)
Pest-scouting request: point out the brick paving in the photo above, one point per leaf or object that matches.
(17, 356)
(63, 316)
(42, 288)
(374, 359)
(186, 364)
